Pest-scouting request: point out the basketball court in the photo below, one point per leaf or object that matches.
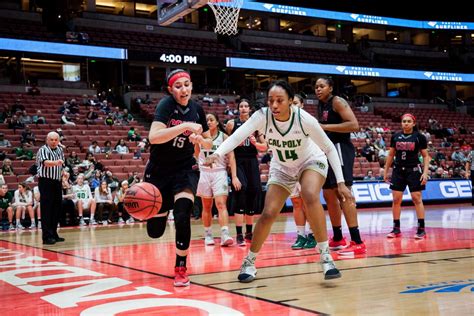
(118, 269)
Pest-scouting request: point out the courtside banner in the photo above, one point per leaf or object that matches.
(368, 192)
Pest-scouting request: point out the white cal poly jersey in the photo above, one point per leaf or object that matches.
(221, 163)
(289, 142)
(292, 142)
(82, 192)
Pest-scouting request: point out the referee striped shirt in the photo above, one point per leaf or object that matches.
(47, 153)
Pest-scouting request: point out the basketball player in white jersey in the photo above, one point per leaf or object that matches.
(83, 199)
(213, 183)
(299, 146)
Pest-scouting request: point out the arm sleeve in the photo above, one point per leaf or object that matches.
(255, 122)
(317, 135)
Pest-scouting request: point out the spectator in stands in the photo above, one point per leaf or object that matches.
(22, 203)
(465, 147)
(116, 115)
(134, 178)
(440, 174)
(386, 128)
(111, 180)
(132, 135)
(67, 118)
(221, 100)
(34, 90)
(73, 160)
(104, 201)
(369, 176)
(431, 148)
(74, 174)
(23, 153)
(59, 131)
(118, 200)
(85, 100)
(362, 134)
(5, 114)
(94, 148)
(379, 143)
(368, 151)
(17, 107)
(7, 168)
(379, 128)
(445, 143)
(107, 148)
(106, 107)
(143, 145)
(28, 137)
(458, 157)
(439, 156)
(84, 200)
(38, 118)
(381, 174)
(382, 155)
(137, 154)
(207, 99)
(6, 198)
(15, 123)
(25, 118)
(462, 129)
(4, 143)
(425, 133)
(121, 147)
(147, 99)
(126, 118)
(94, 182)
(91, 117)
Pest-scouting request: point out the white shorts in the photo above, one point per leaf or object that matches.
(296, 191)
(85, 203)
(213, 183)
(288, 177)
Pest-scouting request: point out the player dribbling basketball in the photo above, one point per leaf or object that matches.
(179, 123)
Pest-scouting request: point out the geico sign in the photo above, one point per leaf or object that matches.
(454, 189)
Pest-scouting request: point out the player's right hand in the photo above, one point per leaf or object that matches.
(210, 160)
(194, 127)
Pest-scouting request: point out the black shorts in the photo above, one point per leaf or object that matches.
(406, 176)
(248, 174)
(171, 181)
(346, 152)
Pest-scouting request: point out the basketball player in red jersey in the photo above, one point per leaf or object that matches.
(179, 124)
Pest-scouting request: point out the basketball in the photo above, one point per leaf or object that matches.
(142, 200)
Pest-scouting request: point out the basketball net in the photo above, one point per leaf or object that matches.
(227, 15)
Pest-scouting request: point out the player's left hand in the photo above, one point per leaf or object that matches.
(344, 194)
(424, 178)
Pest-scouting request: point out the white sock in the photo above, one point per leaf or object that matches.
(301, 230)
(323, 247)
(224, 228)
(310, 231)
(252, 256)
(208, 230)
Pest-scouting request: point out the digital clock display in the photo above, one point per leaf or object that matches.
(178, 59)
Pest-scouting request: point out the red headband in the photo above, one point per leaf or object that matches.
(409, 115)
(176, 76)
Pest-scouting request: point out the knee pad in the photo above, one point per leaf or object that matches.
(183, 208)
(155, 226)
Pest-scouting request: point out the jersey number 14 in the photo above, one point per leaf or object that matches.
(286, 155)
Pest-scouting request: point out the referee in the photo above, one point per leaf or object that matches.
(50, 160)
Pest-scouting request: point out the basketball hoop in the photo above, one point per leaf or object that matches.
(227, 15)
